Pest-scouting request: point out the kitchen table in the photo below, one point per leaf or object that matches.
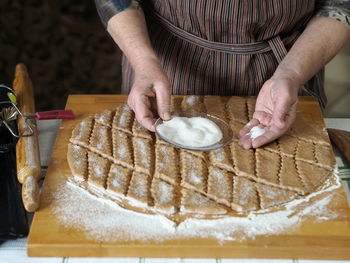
(15, 250)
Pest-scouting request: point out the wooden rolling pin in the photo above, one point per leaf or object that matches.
(27, 149)
(342, 140)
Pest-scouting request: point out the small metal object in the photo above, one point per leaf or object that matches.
(13, 219)
(11, 113)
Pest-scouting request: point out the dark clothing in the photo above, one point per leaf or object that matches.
(227, 47)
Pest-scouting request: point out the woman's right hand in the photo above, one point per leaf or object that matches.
(150, 94)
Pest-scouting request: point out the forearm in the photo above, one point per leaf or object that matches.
(129, 31)
(126, 24)
(317, 45)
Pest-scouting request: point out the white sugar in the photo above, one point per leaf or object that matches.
(121, 150)
(104, 221)
(77, 147)
(220, 155)
(98, 171)
(100, 145)
(124, 116)
(117, 182)
(256, 132)
(123, 119)
(81, 128)
(165, 162)
(218, 174)
(244, 192)
(190, 132)
(164, 191)
(103, 117)
(140, 186)
(272, 193)
(190, 100)
(142, 147)
(194, 178)
(115, 170)
(143, 151)
(249, 124)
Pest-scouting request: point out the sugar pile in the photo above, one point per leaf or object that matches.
(190, 132)
(256, 132)
(104, 221)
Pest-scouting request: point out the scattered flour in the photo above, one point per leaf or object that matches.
(104, 221)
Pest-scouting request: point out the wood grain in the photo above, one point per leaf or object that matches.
(311, 240)
(27, 148)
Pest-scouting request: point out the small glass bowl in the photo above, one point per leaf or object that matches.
(225, 128)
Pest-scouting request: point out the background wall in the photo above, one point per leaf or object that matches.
(67, 51)
(338, 84)
(64, 46)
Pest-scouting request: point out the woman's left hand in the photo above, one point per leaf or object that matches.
(275, 111)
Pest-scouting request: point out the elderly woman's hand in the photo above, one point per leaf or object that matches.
(275, 111)
(150, 93)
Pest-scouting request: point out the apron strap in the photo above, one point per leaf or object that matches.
(277, 46)
(238, 49)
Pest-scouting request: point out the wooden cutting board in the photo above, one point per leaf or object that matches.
(48, 238)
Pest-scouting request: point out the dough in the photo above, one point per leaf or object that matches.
(113, 157)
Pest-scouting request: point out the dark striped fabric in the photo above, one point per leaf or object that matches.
(226, 47)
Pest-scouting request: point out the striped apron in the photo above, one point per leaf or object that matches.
(224, 47)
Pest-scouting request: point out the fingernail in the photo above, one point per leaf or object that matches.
(166, 116)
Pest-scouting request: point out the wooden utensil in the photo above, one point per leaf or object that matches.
(342, 140)
(27, 149)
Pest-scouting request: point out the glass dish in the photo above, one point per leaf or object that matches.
(226, 130)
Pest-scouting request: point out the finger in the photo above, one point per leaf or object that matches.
(245, 141)
(153, 107)
(163, 100)
(246, 129)
(143, 113)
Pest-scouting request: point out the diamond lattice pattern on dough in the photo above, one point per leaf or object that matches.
(113, 156)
